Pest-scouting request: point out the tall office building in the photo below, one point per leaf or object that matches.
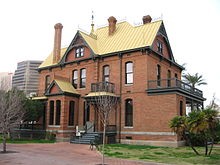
(5, 81)
(26, 77)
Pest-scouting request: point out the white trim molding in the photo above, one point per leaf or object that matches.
(148, 133)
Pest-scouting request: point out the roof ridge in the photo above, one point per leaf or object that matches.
(106, 25)
(148, 23)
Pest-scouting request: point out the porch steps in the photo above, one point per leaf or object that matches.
(86, 138)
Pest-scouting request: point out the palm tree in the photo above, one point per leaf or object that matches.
(212, 122)
(194, 80)
(201, 124)
(179, 125)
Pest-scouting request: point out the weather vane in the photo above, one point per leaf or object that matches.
(92, 24)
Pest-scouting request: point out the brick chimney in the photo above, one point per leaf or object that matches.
(111, 25)
(146, 19)
(57, 42)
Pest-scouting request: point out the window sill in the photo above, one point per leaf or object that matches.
(54, 126)
(71, 126)
(79, 57)
(81, 88)
(128, 127)
(128, 85)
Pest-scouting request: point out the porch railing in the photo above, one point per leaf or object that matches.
(103, 87)
(173, 83)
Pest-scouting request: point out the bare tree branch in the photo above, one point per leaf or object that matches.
(104, 103)
(11, 110)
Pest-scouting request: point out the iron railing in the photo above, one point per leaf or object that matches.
(103, 87)
(173, 83)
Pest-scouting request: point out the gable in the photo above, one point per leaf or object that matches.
(54, 89)
(78, 42)
(163, 39)
(60, 87)
(165, 47)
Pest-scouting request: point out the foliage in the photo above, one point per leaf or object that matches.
(24, 141)
(50, 136)
(33, 110)
(194, 80)
(167, 155)
(11, 110)
(199, 125)
(217, 138)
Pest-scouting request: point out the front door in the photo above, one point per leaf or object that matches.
(86, 113)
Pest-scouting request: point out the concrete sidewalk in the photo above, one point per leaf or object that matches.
(58, 154)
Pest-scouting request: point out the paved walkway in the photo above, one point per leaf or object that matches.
(58, 154)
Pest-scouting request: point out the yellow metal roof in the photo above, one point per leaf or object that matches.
(66, 86)
(126, 37)
(49, 59)
(39, 98)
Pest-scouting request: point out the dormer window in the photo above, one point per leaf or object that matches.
(160, 47)
(79, 52)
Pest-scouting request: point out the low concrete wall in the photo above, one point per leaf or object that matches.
(154, 143)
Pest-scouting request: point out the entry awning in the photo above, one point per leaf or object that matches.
(39, 98)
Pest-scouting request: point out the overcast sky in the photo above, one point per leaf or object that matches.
(193, 28)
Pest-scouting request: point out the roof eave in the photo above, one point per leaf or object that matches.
(168, 60)
(125, 51)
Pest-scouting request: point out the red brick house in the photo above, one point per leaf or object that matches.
(137, 65)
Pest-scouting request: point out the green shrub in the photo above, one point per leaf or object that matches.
(50, 136)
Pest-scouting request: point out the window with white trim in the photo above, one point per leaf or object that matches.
(129, 73)
(82, 78)
(79, 52)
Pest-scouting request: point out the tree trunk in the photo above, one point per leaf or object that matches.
(190, 144)
(206, 147)
(4, 142)
(103, 144)
(210, 151)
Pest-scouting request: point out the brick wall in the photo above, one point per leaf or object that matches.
(150, 113)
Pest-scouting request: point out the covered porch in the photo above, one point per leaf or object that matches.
(194, 97)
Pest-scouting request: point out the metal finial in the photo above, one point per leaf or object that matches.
(92, 24)
(92, 16)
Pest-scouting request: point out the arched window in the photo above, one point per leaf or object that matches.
(58, 111)
(71, 113)
(106, 73)
(82, 78)
(75, 78)
(159, 47)
(129, 73)
(128, 113)
(181, 108)
(47, 82)
(158, 75)
(168, 78)
(86, 113)
(176, 76)
(51, 117)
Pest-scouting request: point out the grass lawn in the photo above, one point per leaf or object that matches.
(179, 156)
(24, 141)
